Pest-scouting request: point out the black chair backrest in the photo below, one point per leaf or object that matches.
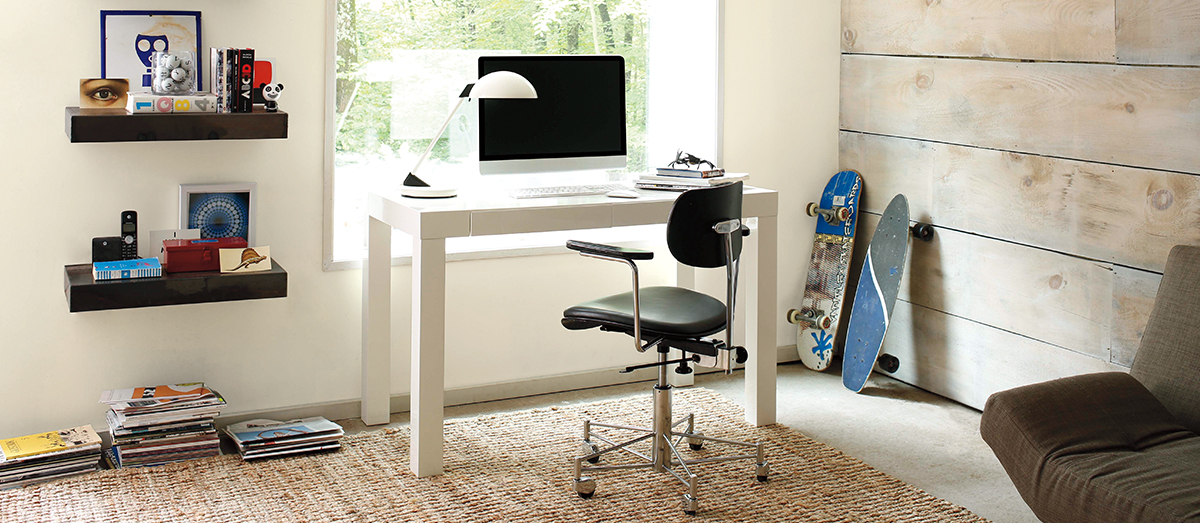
(690, 234)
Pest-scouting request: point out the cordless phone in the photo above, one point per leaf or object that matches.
(129, 250)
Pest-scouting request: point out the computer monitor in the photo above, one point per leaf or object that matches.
(577, 122)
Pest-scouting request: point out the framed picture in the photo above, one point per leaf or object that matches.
(127, 38)
(223, 210)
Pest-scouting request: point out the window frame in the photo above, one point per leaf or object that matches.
(330, 122)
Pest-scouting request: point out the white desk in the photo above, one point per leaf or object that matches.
(430, 222)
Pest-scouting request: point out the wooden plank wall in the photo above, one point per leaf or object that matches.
(1053, 144)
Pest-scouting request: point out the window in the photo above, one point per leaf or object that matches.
(400, 64)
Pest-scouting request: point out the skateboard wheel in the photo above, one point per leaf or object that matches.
(888, 363)
(825, 322)
(922, 231)
(793, 316)
(843, 214)
(811, 209)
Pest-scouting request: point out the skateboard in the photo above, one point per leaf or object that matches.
(817, 318)
(875, 296)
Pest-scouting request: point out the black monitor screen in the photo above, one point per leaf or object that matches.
(579, 111)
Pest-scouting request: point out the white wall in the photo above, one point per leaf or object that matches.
(781, 116)
(304, 349)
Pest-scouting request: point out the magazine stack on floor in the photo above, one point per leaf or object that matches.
(264, 438)
(162, 424)
(49, 455)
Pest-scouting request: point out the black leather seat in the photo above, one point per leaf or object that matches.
(668, 312)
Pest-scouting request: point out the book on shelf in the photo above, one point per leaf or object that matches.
(690, 173)
(245, 87)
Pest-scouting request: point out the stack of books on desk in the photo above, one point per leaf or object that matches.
(162, 424)
(683, 179)
(49, 455)
(264, 438)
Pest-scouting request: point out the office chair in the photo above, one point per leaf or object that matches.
(704, 229)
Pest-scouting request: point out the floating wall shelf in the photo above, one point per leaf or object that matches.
(116, 125)
(86, 294)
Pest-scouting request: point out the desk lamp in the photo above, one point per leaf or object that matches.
(498, 84)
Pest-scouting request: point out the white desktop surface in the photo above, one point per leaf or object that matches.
(484, 212)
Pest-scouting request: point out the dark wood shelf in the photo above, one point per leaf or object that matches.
(116, 125)
(86, 294)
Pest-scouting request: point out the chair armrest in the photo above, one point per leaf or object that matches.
(610, 251)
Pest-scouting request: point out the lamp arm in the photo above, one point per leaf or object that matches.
(436, 136)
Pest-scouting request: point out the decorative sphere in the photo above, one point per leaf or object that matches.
(187, 64)
(167, 84)
(179, 74)
(170, 61)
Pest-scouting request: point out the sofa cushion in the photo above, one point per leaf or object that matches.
(1096, 447)
(1168, 360)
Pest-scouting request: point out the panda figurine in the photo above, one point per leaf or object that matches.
(271, 94)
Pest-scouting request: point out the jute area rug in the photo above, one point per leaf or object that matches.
(505, 467)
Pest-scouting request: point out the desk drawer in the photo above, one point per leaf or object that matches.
(540, 220)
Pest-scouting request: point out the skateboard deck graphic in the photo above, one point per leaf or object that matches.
(821, 307)
(875, 296)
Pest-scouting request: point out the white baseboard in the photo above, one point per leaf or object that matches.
(337, 410)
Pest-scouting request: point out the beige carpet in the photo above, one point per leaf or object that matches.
(505, 467)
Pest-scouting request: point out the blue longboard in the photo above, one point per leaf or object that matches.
(875, 296)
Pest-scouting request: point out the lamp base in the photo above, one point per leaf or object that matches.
(414, 187)
(428, 192)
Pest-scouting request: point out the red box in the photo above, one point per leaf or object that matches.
(197, 255)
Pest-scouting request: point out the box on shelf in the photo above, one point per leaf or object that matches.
(197, 255)
(148, 103)
(126, 269)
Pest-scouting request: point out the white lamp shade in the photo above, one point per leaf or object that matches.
(503, 84)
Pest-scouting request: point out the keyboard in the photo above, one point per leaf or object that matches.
(567, 190)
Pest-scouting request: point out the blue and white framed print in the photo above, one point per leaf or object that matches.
(128, 38)
(224, 210)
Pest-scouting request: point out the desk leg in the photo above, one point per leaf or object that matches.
(376, 324)
(428, 354)
(760, 318)
(685, 276)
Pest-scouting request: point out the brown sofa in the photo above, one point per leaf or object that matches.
(1113, 446)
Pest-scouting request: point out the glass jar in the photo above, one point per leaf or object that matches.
(174, 72)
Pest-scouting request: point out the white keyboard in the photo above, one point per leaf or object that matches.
(567, 190)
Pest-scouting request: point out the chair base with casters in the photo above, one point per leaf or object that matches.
(703, 230)
(665, 440)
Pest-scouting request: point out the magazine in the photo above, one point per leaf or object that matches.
(177, 391)
(258, 430)
(76, 438)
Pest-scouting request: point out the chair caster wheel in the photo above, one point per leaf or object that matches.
(690, 505)
(585, 487)
(590, 448)
(696, 444)
(761, 472)
(740, 355)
